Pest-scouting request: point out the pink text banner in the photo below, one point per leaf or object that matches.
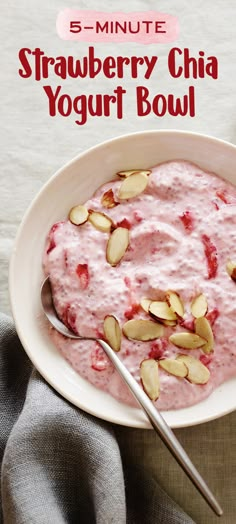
(146, 27)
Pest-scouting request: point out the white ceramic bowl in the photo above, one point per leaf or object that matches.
(75, 183)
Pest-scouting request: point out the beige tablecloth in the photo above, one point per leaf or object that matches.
(34, 146)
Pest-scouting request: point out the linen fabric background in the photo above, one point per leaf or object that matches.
(60, 465)
(34, 146)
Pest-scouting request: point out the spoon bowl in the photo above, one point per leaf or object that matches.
(50, 312)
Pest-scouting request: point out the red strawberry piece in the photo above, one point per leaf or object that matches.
(221, 193)
(51, 236)
(215, 204)
(124, 223)
(51, 246)
(211, 256)
(212, 315)
(69, 318)
(205, 359)
(140, 280)
(158, 348)
(99, 360)
(137, 216)
(83, 274)
(127, 282)
(225, 197)
(187, 220)
(133, 310)
(187, 324)
(99, 334)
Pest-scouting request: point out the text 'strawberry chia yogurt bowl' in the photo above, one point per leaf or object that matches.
(149, 264)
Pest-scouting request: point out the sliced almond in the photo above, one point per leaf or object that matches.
(150, 378)
(117, 245)
(125, 174)
(161, 310)
(142, 330)
(203, 329)
(199, 306)
(175, 302)
(174, 367)
(100, 221)
(231, 269)
(197, 372)
(112, 332)
(132, 186)
(145, 303)
(170, 323)
(187, 340)
(108, 199)
(78, 215)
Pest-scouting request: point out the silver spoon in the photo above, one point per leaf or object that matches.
(156, 419)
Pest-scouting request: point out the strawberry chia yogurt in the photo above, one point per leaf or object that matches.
(182, 231)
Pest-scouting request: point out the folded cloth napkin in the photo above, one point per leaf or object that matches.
(60, 465)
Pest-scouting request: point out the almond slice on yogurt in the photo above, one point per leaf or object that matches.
(175, 302)
(169, 323)
(112, 332)
(149, 376)
(199, 306)
(117, 245)
(231, 269)
(78, 215)
(162, 311)
(145, 304)
(174, 367)
(108, 199)
(203, 329)
(187, 340)
(197, 372)
(133, 186)
(142, 330)
(129, 172)
(100, 221)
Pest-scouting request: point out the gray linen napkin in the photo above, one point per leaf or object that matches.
(60, 465)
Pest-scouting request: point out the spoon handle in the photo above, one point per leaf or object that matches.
(163, 430)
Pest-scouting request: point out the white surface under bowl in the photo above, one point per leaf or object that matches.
(75, 183)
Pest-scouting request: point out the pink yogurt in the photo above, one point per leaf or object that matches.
(182, 232)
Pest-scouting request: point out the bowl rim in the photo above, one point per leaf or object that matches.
(119, 138)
